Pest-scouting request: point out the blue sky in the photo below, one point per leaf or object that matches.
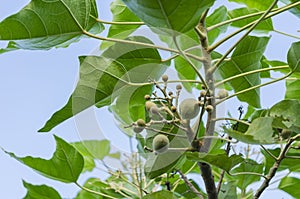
(34, 84)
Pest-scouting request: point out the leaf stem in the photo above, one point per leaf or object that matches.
(252, 27)
(286, 34)
(93, 192)
(254, 87)
(232, 119)
(120, 22)
(249, 73)
(268, 152)
(140, 44)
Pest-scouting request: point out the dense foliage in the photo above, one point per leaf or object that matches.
(179, 139)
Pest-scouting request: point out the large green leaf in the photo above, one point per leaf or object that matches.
(293, 57)
(65, 165)
(264, 26)
(228, 191)
(259, 132)
(222, 161)
(52, 23)
(40, 192)
(120, 14)
(292, 89)
(160, 195)
(290, 185)
(165, 14)
(286, 114)
(260, 5)
(219, 15)
(247, 166)
(101, 78)
(246, 57)
(92, 149)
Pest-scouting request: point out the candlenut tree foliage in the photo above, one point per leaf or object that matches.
(176, 135)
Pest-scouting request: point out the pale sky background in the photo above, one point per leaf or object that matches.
(34, 84)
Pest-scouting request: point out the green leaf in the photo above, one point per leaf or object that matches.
(290, 185)
(66, 22)
(221, 161)
(120, 14)
(292, 89)
(40, 192)
(160, 194)
(65, 165)
(219, 15)
(246, 57)
(103, 78)
(260, 5)
(265, 26)
(165, 15)
(92, 149)
(228, 191)
(293, 57)
(247, 166)
(97, 185)
(286, 113)
(260, 131)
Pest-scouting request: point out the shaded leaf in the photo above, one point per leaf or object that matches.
(65, 165)
(219, 15)
(164, 14)
(292, 89)
(247, 166)
(290, 185)
(118, 65)
(221, 161)
(264, 26)
(293, 57)
(160, 194)
(92, 149)
(228, 191)
(286, 114)
(66, 22)
(40, 192)
(260, 131)
(120, 14)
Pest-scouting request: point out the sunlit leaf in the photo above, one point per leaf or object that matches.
(260, 131)
(222, 161)
(40, 192)
(164, 14)
(246, 57)
(160, 194)
(64, 25)
(292, 89)
(264, 26)
(120, 14)
(290, 185)
(118, 65)
(260, 5)
(65, 165)
(293, 57)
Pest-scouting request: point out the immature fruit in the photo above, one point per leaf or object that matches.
(189, 108)
(165, 78)
(138, 129)
(173, 108)
(149, 105)
(222, 93)
(286, 133)
(160, 143)
(141, 122)
(147, 97)
(178, 87)
(209, 108)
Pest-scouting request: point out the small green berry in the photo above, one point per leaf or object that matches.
(222, 93)
(209, 108)
(160, 143)
(147, 97)
(141, 123)
(189, 108)
(286, 133)
(178, 87)
(138, 129)
(165, 78)
(173, 108)
(149, 105)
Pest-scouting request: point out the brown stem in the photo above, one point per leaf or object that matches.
(190, 185)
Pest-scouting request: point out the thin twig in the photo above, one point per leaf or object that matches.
(190, 185)
(93, 192)
(268, 152)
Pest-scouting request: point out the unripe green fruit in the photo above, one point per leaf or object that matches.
(149, 105)
(160, 143)
(189, 108)
(141, 122)
(154, 110)
(286, 133)
(222, 93)
(173, 108)
(178, 87)
(138, 129)
(203, 93)
(147, 97)
(209, 108)
(165, 78)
